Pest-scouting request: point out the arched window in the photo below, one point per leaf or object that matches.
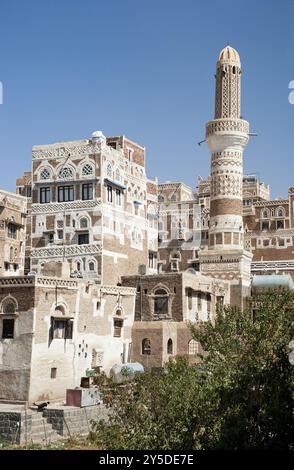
(160, 198)
(117, 175)
(280, 212)
(146, 346)
(61, 326)
(193, 347)
(45, 174)
(84, 223)
(160, 302)
(109, 170)
(9, 307)
(175, 255)
(190, 299)
(65, 172)
(265, 214)
(91, 266)
(59, 311)
(87, 170)
(170, 346)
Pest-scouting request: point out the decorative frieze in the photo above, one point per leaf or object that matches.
(65, 206)
(55, 282)
(66, 251)
(272, 265)
(118, 290)
(77, 149)
(16, 281)
(227, 125)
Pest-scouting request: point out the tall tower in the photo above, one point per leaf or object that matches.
(227, 136)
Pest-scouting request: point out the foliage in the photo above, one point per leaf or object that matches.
(240, 397)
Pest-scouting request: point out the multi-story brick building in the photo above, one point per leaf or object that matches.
(53, 330)
(13, 213)
(165, 306)
(90, 207)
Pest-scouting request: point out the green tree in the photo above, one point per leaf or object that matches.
(155, 411)
(239, 397)
(248, 369)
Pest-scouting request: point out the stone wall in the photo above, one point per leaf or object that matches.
(69, 421)
(10, 426)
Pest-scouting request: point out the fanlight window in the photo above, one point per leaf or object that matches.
(65, 172)
(280, 212)
(117, 175)
(84, 223)
(87, 170)
(45, 174)
(193, 347)
(91, 266)
(9, 308)
(109, 171)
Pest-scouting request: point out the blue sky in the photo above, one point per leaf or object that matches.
(145, 68)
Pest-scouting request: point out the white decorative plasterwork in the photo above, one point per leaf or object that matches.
(226, 125)
(268, 204)
(272, 265)
(66, 251)
(118, 290)
(54, 282)
(64, 206)
(16, 281)
(221, 267)
(75, 149)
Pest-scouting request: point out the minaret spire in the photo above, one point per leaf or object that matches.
(227, 136)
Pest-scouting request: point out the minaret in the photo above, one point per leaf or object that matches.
(227, 136)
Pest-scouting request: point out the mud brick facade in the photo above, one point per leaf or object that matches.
(53, 330)
(13, 215)
(166, 304)
(90, 208)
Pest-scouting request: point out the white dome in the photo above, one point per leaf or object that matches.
(229, 54)
(97, 134)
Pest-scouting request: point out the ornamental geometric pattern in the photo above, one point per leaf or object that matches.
(272, 265)
(65, 251)
(64, 206)
(223, 125)
(87, 170)
(74, 150)
(114, 290)
(226, 185)
(17, 281)
(65, 173)
(45, 174)
(53, 282)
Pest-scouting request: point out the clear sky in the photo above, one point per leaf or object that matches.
(145, 69)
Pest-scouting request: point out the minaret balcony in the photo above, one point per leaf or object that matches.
(225, 126)
(224, 134)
